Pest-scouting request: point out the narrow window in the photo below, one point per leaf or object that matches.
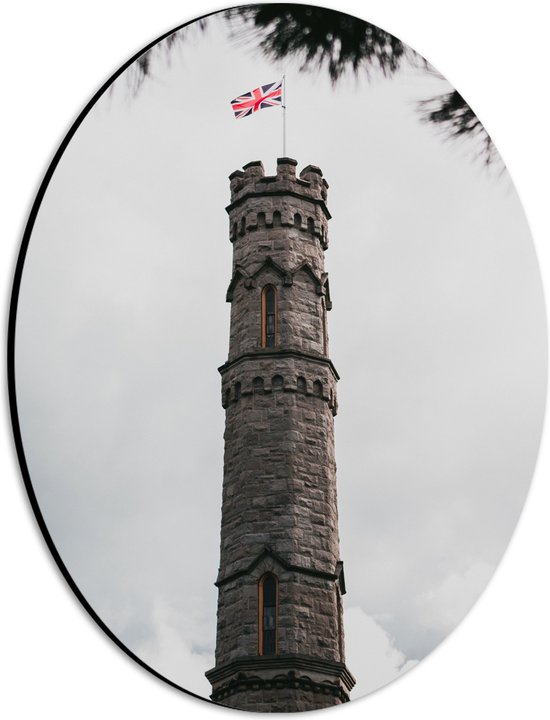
(269, 316)
(324, 320)
(310, 225)
(298, 220)
(261, 219)
(267, 591)
(276, 218)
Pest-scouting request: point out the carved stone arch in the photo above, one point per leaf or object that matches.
(306, 268)
(270, 264)
(277, 382)
(239, 274)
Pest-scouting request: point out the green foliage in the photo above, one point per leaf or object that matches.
(321, 37)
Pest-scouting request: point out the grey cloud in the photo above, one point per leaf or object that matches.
(437, 331)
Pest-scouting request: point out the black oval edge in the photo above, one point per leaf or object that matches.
(14, 297)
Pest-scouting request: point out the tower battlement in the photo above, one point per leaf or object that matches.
(261, 202)
(252, 181)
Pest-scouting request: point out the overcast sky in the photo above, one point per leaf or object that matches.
(437, 331)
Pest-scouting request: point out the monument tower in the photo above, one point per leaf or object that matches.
(280, 637)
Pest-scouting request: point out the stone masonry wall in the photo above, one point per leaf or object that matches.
(279, 483)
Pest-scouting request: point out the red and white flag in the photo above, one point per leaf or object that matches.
(265, 96)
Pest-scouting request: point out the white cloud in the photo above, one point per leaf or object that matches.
(444, 606)
(173, 648)
(371, 654)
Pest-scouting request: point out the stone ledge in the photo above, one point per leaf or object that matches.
(278, 193)
(275, 352)
(269, 671)
(230, 397)
(290, 680)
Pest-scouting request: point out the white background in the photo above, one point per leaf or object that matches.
(56, 660)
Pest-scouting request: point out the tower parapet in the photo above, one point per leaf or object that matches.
(280, 638)
(260, 201)
(253, 180)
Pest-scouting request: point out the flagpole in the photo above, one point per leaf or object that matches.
(284, 115)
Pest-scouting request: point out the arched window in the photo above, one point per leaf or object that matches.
(318, 388)
(298, 220)
(243, 225)
(310, 225)
(276, 218)
(301, 384)
(237, 390)
(267, 616)
(258, 384)
(277, 382)
(261, 219)
(269, 316)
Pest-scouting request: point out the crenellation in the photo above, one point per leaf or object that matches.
(308, 225)
(310, 185)
(297, 378)
(253, 170)
(286, 167)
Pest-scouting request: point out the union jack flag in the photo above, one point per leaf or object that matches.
(265, 96)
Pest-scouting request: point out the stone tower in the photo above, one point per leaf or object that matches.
(280, 638)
